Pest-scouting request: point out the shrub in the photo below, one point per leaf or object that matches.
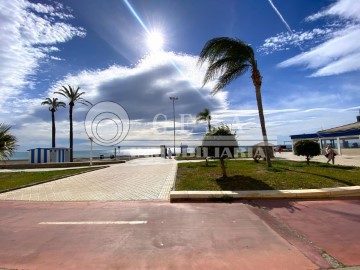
(220, 143)
(307, 148)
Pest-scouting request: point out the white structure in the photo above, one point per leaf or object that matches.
(49, 155)
(345, 139)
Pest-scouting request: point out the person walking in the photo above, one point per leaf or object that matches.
(330, 154)
(166, 152)
(169, 153)
(279, 149)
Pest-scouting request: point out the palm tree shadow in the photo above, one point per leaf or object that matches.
(241, 182)
(288, 204)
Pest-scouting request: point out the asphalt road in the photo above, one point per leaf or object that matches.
(160, 235)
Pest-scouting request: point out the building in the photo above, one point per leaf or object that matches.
(345, 139)
(49, 155)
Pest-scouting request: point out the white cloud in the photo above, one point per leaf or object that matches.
(284, 40)
(342, 8)
(142, 90)
(328, 58)
(29, 33)
(330, 50)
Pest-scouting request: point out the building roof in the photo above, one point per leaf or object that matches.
(352, 129)
(351, 126)
(305, 136)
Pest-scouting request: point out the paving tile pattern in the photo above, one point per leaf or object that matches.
(142, 179)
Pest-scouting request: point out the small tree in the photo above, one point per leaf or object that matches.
(307, 148)
(220, 143)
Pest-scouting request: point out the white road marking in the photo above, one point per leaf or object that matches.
(135, 222)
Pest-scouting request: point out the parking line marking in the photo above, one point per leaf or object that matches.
(135, 222)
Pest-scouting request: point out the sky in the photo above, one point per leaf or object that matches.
(130, 56)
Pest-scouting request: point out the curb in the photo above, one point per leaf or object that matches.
(176, 196)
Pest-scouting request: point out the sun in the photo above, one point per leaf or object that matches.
(155, 41)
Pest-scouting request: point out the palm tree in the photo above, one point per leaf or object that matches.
(204, 116)
(73, 95)
(54, 104)
(230, 58)
(7, 142)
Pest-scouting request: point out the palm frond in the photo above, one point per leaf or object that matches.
(53, 103)
(7, 142)
(228, 77)
(73, 95)
(227, 59)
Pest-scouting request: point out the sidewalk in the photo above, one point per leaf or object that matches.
(339, 159)
(139, 179)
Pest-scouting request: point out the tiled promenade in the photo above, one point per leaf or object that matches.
(139, 179)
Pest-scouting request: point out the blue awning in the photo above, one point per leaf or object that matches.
(304, 136)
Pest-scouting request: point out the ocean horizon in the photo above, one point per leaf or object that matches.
(24, 155)
(124, 151)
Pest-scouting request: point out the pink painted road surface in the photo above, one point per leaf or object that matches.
(141, 235)
(333, 225)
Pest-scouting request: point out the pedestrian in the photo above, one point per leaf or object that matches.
(279, 149)
(330, 154)
(169, 153)
(166, 152)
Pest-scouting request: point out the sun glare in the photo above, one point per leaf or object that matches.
(155, 41)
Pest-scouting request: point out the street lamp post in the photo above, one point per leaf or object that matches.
(91, 142)
(173, 100)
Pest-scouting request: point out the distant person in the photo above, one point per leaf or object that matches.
(279, 149)
(169, 153)
(330, 154)
(166, 152)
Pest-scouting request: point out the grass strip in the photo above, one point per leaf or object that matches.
(13, 180)
(248, 175)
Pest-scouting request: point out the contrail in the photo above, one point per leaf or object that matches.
(283, 20)
(280, 16)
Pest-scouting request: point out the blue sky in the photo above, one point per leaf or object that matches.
(307, 51)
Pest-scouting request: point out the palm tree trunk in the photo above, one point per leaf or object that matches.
(71, 132)
(257, 79)
(209, 126)
(53, 130)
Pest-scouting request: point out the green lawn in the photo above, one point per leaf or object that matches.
(16, 179)
(248, 175)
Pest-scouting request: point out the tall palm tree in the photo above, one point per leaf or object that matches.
(54, 104)
(204, 116)
(7, 142)
(230, 58)
(73, 96)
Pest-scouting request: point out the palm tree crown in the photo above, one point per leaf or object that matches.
(228, 59)
(204, 116)
(72, 95)
(7, 142)
(54, 104)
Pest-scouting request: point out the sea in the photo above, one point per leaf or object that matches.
(123, 152)
(24, 155)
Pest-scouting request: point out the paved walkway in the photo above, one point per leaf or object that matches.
(139, 179)
(339, 160)
(141, 235)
